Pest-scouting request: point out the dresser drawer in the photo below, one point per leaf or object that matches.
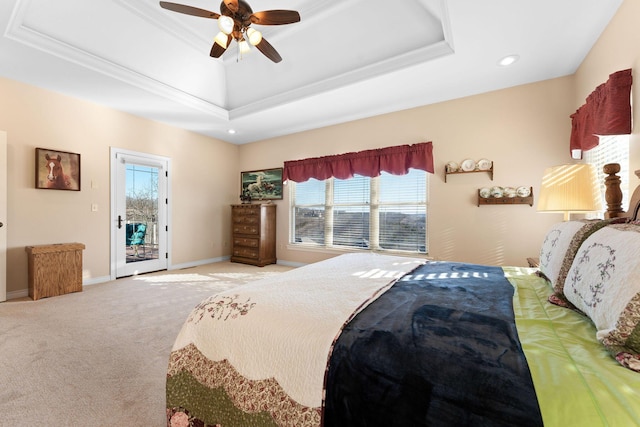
(241, 251)
(245, 229)
(246, 219)
(244, 241)
(252, 210)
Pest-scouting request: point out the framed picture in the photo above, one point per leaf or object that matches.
(261, 184)
(57, 170)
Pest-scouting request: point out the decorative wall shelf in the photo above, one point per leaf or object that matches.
(447, 172)
(506, 200)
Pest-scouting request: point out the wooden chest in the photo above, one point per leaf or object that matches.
(54, 269)
(253, 234)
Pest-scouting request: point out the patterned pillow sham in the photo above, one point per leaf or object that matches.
(557, 252)
(604, 283)
(559, 249)
(554, 247)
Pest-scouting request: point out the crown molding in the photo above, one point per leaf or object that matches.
(18, 30)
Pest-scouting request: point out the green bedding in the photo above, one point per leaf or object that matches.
(577, 382)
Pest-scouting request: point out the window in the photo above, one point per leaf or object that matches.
(385, 213)
(612, 149)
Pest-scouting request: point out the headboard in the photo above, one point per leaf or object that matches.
(613, 194)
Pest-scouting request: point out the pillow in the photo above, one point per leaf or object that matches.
(554, 248)
(559, 249)
(604, 283)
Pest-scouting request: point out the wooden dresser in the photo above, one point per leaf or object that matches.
(253, 234)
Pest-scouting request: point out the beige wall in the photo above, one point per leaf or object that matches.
(522, 130)
(204, 180)
(617, 49)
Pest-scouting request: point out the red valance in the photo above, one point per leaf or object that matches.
(607, 111)
(394, 160)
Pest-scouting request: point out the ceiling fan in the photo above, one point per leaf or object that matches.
(234, 21)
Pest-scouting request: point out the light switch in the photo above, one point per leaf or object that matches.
(94, 207)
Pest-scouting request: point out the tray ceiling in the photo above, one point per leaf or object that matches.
(343, 61)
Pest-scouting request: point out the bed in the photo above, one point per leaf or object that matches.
(379, 340)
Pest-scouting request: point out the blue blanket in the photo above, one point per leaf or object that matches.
(440, 348)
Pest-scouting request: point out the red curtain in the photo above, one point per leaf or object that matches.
(394, 160)
(607, 111)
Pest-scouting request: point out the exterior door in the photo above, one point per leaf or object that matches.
(3, 216)
(139, 213)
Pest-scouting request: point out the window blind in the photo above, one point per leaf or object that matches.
(612, 149)
(385, 213)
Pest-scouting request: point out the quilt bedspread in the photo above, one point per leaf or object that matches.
(273, 372)
(268, 342)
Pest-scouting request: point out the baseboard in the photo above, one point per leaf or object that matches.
(226, 258)
(291, 263)
(23, 293)
(198, 263)
(96, 280)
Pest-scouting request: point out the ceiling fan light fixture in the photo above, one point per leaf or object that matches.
(222, 39)
(244, 46)
(234, 20)
(226, 24)
(254, 36)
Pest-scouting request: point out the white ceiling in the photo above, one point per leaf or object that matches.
(345, 60)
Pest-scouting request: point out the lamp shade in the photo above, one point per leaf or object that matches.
(570, 188)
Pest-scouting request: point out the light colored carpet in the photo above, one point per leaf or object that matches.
(99, 357)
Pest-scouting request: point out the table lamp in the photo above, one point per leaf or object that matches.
(570, 189)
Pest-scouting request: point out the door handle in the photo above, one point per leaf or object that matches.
(119, 221)
(1, 224)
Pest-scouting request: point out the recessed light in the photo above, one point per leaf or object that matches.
(508, 60)
(231, 131)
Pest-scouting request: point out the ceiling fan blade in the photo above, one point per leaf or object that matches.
(275, 17)
(269, 51)
(217, 50)
(188, 10)
(232, 5)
